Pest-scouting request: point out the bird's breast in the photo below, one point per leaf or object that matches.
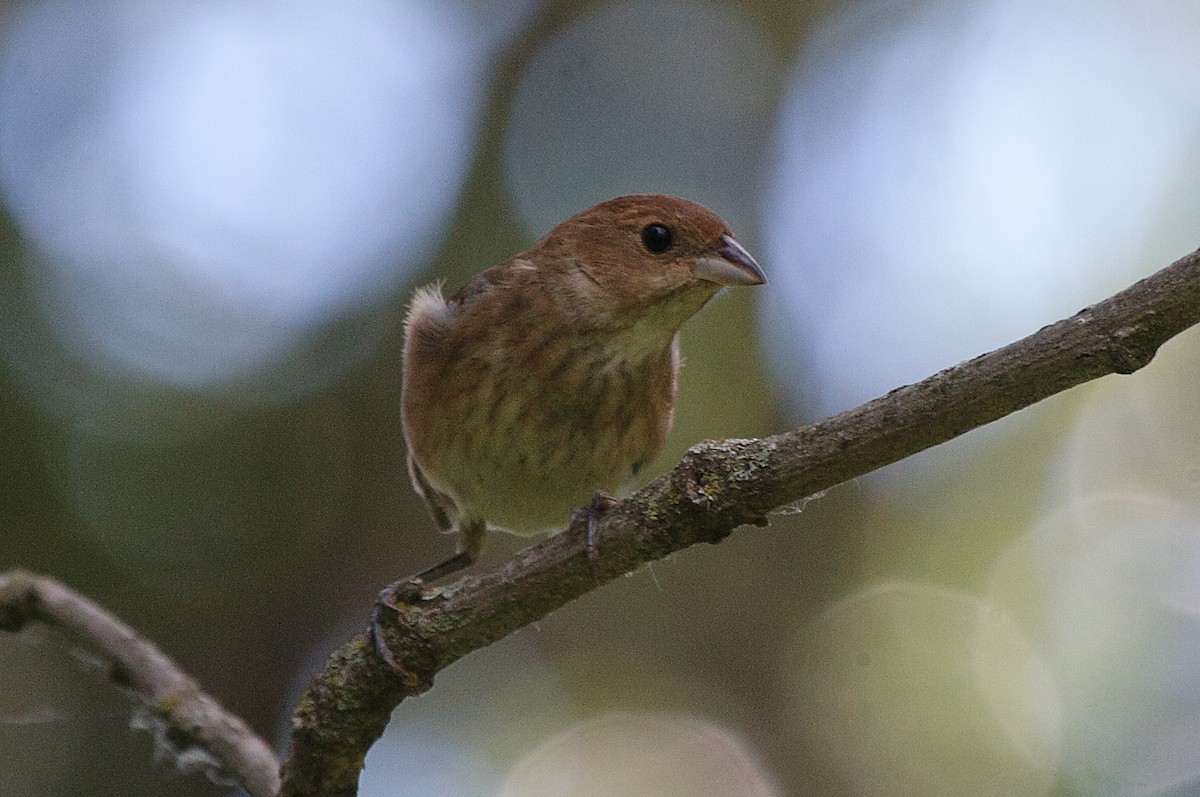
(522, 428)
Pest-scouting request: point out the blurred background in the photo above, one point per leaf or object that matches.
(212, 215)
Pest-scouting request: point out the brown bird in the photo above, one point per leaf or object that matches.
(551, 377)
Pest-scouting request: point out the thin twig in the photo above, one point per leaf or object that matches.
(716, 488)
(192, 718)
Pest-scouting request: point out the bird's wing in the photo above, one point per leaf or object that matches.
(441, 506)
(517, 270)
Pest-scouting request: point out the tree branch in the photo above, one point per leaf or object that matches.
(716, 488)
(191, 719)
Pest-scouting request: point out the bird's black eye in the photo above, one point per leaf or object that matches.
(657, 238)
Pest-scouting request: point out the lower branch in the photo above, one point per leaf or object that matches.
(230, 751)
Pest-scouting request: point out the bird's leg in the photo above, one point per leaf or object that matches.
(470, 545)
(602, 503)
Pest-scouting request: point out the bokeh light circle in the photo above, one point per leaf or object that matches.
(889, 685)
(1109, 593)
(631, 755)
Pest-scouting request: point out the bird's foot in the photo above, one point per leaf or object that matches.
(390, 598)
(602, 503)
(409, 591)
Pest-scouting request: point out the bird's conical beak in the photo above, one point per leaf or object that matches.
(731, 265)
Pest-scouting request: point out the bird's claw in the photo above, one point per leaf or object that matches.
(389, 598)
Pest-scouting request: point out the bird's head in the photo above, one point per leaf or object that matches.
(645, 258)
